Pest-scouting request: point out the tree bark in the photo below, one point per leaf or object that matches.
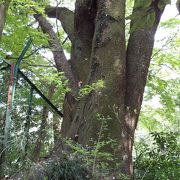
(58, 53)
(107, 63)
(98, 53)
(138, 56)
(66, 18)
(3, 12)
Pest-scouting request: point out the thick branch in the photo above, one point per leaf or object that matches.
(138, 55)
(84, 25)
(65, 16)
(58, 53)
(138, 58)
(80, 28)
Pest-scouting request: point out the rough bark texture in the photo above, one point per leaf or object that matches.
(84, 22)
(85, 12)
(138, 56)
(58, 53)
(107, 63)
(66, 18)
(98, 53)
(3, 12)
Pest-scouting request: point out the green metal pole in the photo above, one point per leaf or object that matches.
(16, 68)
(11, 93)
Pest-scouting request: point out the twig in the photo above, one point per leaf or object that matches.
(164, 45)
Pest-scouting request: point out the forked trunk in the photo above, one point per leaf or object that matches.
(123, 72)
(99, 53)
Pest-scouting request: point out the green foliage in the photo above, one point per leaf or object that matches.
(4, 1)
(17, 31)
(170, 23)
(68, 169)
(158, 158)
(163, 91)
(94, 157)
(16, 146)
(28, 6)
(66, 43)
(97, 86)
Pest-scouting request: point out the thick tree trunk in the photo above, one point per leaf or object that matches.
(120, 101)
(138, 56)
(107, 63)
(98, 53)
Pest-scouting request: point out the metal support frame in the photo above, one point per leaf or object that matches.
(11, 93)
(35, 88)
(14, 71)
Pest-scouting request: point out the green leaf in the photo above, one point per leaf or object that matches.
(170, 23)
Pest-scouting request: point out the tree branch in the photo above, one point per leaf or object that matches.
(66, 18)
(58, 53)
(138, 56)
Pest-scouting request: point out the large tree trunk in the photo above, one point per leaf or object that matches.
(99, 53)
(106, 56)
(121, 98)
